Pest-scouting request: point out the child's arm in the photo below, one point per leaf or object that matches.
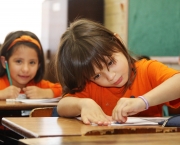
(167, 91)
(43, 89)
(34, 92)
(89, 110)
(10, 92)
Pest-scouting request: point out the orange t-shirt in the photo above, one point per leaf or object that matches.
(149, 75)
(56, 87)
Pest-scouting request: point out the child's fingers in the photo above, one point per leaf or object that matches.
(12, 92)
(96, 118)
(117, 114)
(85, 120)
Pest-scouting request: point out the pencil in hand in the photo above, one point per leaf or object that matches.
(8, 73)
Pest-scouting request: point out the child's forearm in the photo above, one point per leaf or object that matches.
(167, 91)
(2, 95)
(69, 107)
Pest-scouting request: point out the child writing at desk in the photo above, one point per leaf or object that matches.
(98, 76)
(22, 68)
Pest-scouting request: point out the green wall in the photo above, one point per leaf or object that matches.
(154, 27)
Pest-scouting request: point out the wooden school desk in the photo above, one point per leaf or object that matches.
(33, 127)
(23, 106)
(124, 139)
(9, 109)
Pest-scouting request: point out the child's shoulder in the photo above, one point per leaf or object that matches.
(150, 66)
(145, 63)
(153, 66)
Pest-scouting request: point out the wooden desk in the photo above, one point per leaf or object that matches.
(13, 109)
(124, 139)
(23, 106)
(33, 127)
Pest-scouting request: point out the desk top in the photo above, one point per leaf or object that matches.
(33, 127)
(125, 139)
(20, 106)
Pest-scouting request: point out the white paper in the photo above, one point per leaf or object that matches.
(34, 100)
(131, 121)
(135, 121)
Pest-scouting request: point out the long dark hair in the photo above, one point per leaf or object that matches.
(83, 45)
(6, 50)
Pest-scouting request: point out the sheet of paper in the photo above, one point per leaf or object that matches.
(24, 100)
(134, 121)
(131, 121)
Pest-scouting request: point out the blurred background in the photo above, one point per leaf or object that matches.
(147, 27)
(20, 15)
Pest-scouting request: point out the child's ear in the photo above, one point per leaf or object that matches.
(3, 61)
(117, 36)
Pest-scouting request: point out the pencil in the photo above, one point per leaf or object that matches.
(8, 73)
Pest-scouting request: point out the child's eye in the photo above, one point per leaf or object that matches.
(96, 77)
(18, 61)
(110, 63)
(32, 62)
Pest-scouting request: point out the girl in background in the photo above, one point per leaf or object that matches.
(23, 53)
(99, 76)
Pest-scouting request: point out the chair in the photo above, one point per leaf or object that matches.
(44, 112)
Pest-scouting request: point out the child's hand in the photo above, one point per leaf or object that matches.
(10, 92)
(91, 112)
(34, 92)
(126, 107)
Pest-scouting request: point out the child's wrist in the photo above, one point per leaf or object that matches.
(145, 101)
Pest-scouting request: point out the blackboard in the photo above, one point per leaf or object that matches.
(154, 27)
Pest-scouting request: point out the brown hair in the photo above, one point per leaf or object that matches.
(83, 45)
(7, 50)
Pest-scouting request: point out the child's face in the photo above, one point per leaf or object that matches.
(116, 76)
(23, 65)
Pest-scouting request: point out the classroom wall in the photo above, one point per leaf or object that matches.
(116, 19)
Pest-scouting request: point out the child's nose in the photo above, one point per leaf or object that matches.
(110, 76)
(25, 67)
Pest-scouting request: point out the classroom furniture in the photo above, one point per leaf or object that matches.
(124, 139)
(6, 140)
(23, 106)
(10, 109)
(14, 109)
(33, 127)
(42, 112)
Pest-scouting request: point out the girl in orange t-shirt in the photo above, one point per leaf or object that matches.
(99, 76)
(23, 53)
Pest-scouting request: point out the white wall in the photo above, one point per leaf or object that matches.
(20, 15)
